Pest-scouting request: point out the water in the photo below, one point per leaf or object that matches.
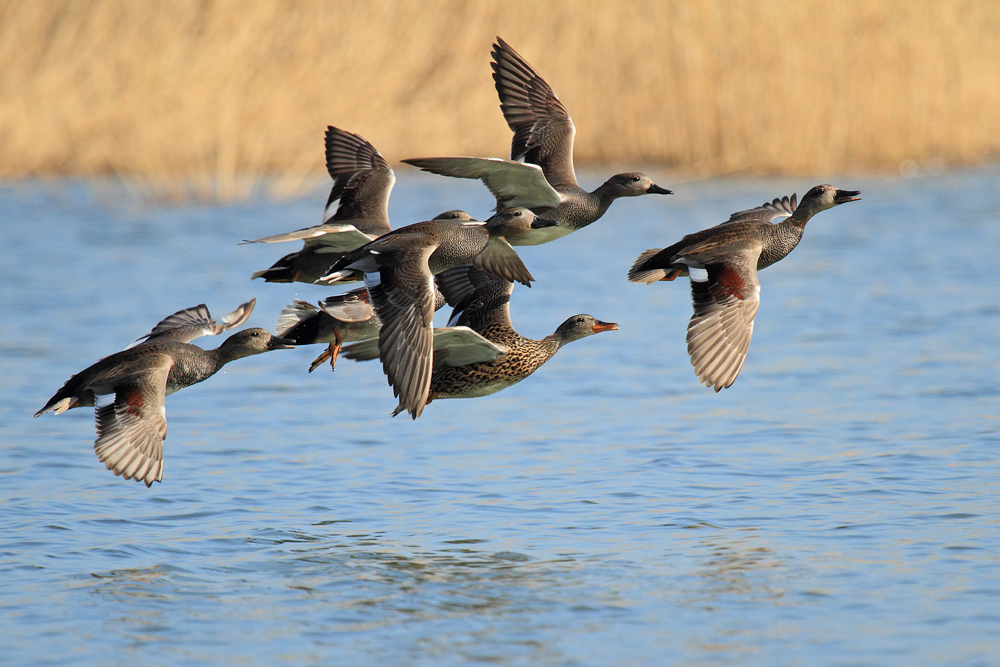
(837, 505)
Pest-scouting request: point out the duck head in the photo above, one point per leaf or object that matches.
(456, 214)
(824, 196)
(512, 223)
(581, 326)
(633, 184)
(253, 341)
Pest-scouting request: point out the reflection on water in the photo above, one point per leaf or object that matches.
(838, 500)
(739, 568)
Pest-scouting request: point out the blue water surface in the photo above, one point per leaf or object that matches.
(837, 506)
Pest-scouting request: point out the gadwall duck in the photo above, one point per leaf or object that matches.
(543, 138)
(480, 353)
(356, 212)
(131, 430)
(726, 292)
(397, 270)
(342, 318)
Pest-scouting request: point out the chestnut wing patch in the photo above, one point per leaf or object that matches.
(131, 430)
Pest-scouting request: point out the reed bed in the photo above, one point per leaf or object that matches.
(217, 97)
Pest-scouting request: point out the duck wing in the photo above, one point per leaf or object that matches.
(190, 323)
(130, 431)
(362, 182)
(543, 130)
(500, 259)
(328, 237)
(403, 293)
(457, 283)
(780, 207)
(357, 209)
(512, 183)
(719, 332)
(488, 305)
(453, 346)
(353, 306)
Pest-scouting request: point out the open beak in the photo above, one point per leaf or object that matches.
(600, 326)
(844, 196)
(655, 189)
(542, 223)
(280, 343)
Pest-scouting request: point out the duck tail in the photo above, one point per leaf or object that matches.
(645, 269)
(298, 322)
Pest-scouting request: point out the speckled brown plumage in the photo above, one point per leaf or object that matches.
(399, 269)
(487, 311)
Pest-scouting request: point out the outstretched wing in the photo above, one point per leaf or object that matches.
(780, 207)
(403, 294)
(453, 346)
(500, 259)
(719, 332)
(543, 130)
(458, 283)
(131, 430)
(328, 237)
(190, 323)
(362, 182)
(512, 183)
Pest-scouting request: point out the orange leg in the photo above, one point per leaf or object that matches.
(331, 353)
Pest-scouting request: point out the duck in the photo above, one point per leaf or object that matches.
(724, 287)
(340, 318)
(356, 211)
(132, 428)
(539, 174)
(479, 353)
(334, 320)
(398, 269)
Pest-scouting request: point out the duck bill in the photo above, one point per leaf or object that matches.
(604, 326)
(542, 223)
(844, 196)
(655, 189)
(280, 343)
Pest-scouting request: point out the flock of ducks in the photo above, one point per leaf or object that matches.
(411, 272)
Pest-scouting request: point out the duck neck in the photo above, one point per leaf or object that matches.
(194, 366)
(549, 345)
(783, 237)
(799, 218)
(603, 196)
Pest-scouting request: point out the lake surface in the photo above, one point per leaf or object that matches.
(838, 505)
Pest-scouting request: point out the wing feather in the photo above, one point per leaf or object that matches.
(131, 430)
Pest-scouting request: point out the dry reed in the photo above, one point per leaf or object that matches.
(220, 93)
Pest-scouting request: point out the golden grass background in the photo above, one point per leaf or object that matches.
(224, 92)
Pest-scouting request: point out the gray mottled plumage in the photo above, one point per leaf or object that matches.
(731, 254)
(131, 430)
(482, 311)
(543, 138)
